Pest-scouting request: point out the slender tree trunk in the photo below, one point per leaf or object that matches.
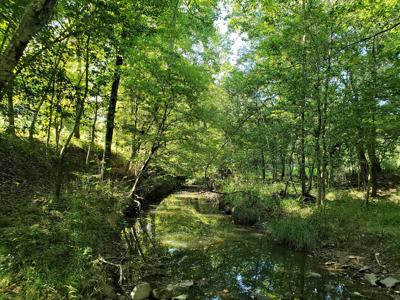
(92, 132)
(48, 132)
(373, 160)
(111, 111)
(325, 104)
(51, 85)
(80, 105)
(77, 133)
(263, 171)
(5, 36)
(35, 115)
(318, 152)
(368, 187)
(311, 178)
(274, 170)
(58, 127)
(374, 168)
(10, 111)
(35, 16)
(61, 159)
(134, 108)
(363, 168)
(302, 170)
(283, 166)
(290, 171)
(143, 169)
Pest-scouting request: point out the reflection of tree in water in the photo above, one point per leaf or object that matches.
(228, 263)
(237, 269)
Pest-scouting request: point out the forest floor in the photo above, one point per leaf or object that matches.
(48, 248)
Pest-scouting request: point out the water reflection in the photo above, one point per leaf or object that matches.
(228, 262)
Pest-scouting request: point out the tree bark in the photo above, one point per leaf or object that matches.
(363, 168)
(81, 100)
(10, 112)
(263, 171)
(36, 15)
(283, 166)
(302, 170)
(51, 85)
(111, 110)
(92, 132)
(374, 168)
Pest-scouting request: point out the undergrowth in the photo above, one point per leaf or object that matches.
(48, 249)
(344, 221)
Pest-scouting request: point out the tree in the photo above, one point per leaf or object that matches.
(36, 15)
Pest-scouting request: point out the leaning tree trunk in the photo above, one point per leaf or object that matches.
(36, 15)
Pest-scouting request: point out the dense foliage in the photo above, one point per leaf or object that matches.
(271, 102)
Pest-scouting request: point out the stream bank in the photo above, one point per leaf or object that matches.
(224, 261)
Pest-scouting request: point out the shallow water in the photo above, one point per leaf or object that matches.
(230, 262)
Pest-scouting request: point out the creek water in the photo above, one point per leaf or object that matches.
(230, 262)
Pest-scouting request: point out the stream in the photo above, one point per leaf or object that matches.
(231, 262)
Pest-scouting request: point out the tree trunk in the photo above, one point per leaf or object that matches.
(111, 111)
(311, 179)
(325, 104)
(143, 169)
(51, 85)
(61, 159)
(77, 133)
(10, 112)
(58, 125)
(81, 100)
(374, 168)
(283, 166)
(134, 109)
(263, 171)
(92, 133)
(35, 16)
(35, 115)
(5, 36)
(274, 169)
(302, 170)
(48, 131)
(318, 152)
(363, 168)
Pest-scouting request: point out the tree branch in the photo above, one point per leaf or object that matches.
(368, 37)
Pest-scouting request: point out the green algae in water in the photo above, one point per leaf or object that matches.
(230, 262)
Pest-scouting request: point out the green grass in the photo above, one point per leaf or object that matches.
(49, 249)
(251, 203)
(344, 221)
